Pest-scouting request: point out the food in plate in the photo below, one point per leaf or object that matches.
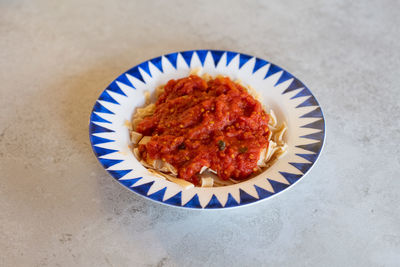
(205, 131)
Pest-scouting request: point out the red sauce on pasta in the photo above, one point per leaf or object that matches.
(215, 124)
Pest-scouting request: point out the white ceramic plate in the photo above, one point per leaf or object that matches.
(291, 100)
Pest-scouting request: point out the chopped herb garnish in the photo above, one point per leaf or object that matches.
(221, 145)
(243, 149)
(182, 146)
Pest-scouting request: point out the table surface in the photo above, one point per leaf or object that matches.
(58, 207)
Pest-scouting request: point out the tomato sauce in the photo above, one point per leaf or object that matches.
(215, 124)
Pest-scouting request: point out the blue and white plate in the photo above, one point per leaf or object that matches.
(291, 100)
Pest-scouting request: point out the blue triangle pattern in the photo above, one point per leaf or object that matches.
(97, 118)
(100, 151)
(158, 63)
(284, 77)
(309, 157)
(315, 136)
(130, 182)
(259, 64)
(172, 58)
(231, 202)
(93, 128)
(229, 57)
(319, 125)
(303, 167)
(145, 66)
(123, 79)
(214, 203)
(246, 198)
(115, 88)
(316, 113)
(243, 58)
(136, 73)
(304, 92)
(309, 102)
(291, 177)
(98, 140)
(272, 70)
(187, 56)
(296, 84)
(202, 54)
(107, 163)
(193, 203)
(278, 186)
(120, 173)
(216, 56)
(143, 188)
(101, 109)
(175, 200)
(262, 193)
(106, 97)
(159, 195)
(315, 147)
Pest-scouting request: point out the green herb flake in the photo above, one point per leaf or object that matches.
(221, 145)
(243, 149)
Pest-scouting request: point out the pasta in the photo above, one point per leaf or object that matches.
(274, 149)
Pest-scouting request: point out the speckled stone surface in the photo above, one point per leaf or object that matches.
(58, 207)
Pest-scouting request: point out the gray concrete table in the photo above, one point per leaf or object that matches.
(58, 207)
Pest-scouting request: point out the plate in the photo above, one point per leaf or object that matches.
(291, 100)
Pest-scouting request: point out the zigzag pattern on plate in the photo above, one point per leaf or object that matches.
(103, 138)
